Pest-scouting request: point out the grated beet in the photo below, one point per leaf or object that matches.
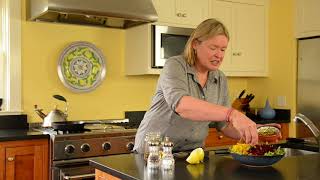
(260, 150)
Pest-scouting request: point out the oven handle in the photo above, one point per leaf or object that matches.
(79, 176)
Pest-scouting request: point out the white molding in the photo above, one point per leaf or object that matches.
(11, 54)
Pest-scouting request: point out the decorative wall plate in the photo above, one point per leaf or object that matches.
(81, 67)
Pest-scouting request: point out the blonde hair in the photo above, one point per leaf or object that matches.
(205, 30)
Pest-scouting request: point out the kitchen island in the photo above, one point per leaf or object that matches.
(132, 166)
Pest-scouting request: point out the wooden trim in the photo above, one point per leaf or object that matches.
(23, 143)
(2, 161)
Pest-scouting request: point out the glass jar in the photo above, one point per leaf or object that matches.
(150, 136)
(167, 162)
(153, 161)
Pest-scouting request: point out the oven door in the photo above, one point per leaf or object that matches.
(73, 171)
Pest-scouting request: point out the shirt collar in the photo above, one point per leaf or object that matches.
(213, 75)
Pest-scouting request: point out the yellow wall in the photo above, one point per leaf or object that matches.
(42, 44)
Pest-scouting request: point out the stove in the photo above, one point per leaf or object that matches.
(70, 152)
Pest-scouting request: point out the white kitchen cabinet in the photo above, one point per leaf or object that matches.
(183, 13)
(307, 18)
(138, 51)
(246, 54)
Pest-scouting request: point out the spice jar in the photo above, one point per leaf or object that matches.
(150, 136)
(167, 162)
(153, 161)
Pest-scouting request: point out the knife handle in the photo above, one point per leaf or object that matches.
(241, 94)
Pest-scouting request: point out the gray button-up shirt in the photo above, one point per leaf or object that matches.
(179, 79)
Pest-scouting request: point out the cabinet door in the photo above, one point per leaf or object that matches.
(216, 139)
(222, 11)
(307, 18)
(193, 12)
(248, 55)
(24, 160)
(187, 13)
(24, 163)
(246, 52)
(100, 175)
(166, 10)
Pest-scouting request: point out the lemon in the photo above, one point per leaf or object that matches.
(196, 156)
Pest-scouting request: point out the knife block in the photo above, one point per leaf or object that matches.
(241, 104)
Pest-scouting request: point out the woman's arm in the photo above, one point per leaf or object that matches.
(197, 110)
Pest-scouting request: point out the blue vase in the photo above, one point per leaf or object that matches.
(267, 112)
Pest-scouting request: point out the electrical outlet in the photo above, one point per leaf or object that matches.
(281, 101)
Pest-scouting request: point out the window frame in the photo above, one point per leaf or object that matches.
(10, 57)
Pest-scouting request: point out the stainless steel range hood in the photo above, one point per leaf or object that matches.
(108, 13)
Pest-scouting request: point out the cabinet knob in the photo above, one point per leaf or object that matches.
(184, 15)
(10, 158)
(239, 53)
(179, 14)
(234, 54)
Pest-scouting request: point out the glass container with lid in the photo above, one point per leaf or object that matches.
(150, 136)
(153, 161)
(167, 162)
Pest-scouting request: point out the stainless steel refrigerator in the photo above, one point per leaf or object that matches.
(308, 83)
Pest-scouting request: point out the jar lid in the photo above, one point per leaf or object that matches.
(167, 142)
(153, 143)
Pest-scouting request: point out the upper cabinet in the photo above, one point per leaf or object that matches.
(246, 21)
(186, 13)
(307, 18)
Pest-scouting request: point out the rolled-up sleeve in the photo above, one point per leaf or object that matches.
(173, 82)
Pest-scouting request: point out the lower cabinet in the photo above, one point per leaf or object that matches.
(216, 138)
(100, 175)
(25, 159)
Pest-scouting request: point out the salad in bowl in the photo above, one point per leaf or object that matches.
(258, 155)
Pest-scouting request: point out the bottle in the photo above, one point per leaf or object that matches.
(167, 162)
(153, 161)
(150, 136)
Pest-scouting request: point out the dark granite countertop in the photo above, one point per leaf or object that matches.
(132, 166)
(20, 134)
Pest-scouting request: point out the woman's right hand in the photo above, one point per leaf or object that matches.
(245, 126)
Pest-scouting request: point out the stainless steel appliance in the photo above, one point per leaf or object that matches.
(168, 41)
(70, 151)
(308, 83)
(108, 13)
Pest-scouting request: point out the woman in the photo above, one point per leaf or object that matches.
(192, 92)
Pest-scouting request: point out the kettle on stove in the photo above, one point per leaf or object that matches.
(55, 115)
